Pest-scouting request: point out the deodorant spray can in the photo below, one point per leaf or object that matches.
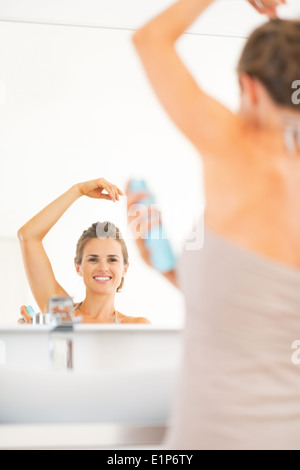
(161, 254)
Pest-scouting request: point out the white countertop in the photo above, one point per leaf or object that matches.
(19, 328)
(79, 436)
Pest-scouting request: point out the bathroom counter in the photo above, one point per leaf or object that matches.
(79, 436)
(87, 327)
(95, 347)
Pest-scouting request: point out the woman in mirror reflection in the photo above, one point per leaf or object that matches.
(239, 388)
(101, 258)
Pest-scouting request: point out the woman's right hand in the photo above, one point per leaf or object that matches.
(95, 188)
(267, 7)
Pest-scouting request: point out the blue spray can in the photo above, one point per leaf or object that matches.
(161, 254)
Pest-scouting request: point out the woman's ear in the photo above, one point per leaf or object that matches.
(125, 269)
(78, 269)
(248, 88)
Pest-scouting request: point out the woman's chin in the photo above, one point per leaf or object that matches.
(103, 289)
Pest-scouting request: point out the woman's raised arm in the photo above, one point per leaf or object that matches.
(197, 115)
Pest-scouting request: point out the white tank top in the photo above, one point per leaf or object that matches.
(239, 388)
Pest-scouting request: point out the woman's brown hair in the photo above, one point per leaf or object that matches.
(272, 55)
(101, 230)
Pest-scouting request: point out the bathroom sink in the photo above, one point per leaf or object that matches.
(122, 374)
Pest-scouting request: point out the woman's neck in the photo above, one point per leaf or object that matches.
(99, 307)
(280, 125)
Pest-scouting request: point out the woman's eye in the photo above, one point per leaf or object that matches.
(93, 260)
(113, 259)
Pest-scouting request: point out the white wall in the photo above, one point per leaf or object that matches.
(223, 17)
(78, 106)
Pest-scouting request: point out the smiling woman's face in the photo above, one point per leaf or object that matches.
(102, 266)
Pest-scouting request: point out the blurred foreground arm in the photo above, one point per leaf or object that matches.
(200, 117)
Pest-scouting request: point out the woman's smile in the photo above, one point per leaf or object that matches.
(102, 279)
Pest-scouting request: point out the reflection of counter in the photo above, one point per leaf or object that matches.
(124, 379)
(96, 347)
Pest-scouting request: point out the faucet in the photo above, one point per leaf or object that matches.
(61, 336)
(61, 347)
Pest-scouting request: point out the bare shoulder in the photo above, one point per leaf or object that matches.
(128, 319)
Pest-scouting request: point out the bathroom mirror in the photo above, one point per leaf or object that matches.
(75, 105)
